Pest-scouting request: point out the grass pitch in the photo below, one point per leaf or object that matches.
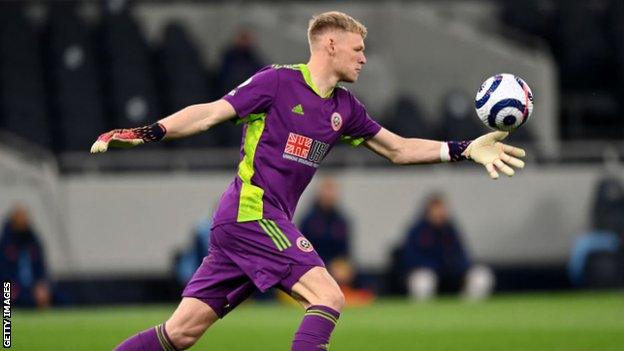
(552, 322)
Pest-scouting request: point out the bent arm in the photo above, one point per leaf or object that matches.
(405, 151)
(198, 118)
(188, 121)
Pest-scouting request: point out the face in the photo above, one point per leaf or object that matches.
(347, 52)
(328, 193)
(437, 213)
(19, 219)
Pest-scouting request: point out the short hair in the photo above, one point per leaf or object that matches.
(319, 24)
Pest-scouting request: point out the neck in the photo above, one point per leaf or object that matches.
(322, 76)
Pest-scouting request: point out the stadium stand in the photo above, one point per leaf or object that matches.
(74, 79)
(183, 79)
(405, 109)
(22, 87)
(457, 122)
(131, 88)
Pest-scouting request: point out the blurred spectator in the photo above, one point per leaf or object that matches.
(325, 225)
(608, 208)
(328, 230)
(239, 62)
(187, 261)
(435, 255)
(595, 260)
(22, 261)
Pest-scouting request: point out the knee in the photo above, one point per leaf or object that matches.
(182, 338)
(333, 298)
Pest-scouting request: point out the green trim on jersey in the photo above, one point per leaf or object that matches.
(248, 119)
(351, 140)
(306, 76)
(250, 206)
(308, 79)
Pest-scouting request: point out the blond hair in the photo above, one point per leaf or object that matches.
(319, 24)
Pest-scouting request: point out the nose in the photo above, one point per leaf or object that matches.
(363, 59)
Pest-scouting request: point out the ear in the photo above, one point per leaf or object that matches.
(331, 46)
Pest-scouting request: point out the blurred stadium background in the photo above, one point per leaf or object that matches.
(71, 70)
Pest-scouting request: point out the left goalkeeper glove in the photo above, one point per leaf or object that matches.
(490, 152)
(125, 138)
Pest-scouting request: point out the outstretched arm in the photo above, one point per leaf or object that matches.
(188, 121)
(486, 150)
(404, 151)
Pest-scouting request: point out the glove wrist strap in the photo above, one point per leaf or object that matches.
(152, 133)
(452, 151)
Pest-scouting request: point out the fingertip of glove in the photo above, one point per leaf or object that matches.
(500, 135)
(98, 146)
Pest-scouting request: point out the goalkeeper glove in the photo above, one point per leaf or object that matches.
(125, 138)
(494, 155)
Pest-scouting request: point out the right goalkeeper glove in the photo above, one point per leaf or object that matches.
(490, 152)
(125, 138)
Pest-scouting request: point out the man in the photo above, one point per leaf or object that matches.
(22, 261)
(325, 225)
(434, 255)
(293, 115)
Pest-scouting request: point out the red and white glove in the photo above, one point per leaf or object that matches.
(126, 138)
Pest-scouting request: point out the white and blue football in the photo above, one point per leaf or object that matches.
(504, 102)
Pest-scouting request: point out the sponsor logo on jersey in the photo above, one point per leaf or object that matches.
(336, 121)
(305, 150)
(304, 245)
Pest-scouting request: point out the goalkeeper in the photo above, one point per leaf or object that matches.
(292, 116)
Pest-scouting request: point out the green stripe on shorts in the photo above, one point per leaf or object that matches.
(280, 246)
(279, 233)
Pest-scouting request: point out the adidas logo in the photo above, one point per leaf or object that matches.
(298, 109)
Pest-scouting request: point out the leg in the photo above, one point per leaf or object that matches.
(187, 324)
(216, 288)
(422, 284)
(275, 253)
(318, 287)
(323, 300)
(479, 283)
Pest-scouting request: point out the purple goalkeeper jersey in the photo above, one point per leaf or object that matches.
(288, 130)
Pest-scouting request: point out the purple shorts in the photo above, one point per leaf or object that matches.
(250, 256)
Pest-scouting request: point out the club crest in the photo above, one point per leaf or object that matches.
(304, 245)
(336, 121)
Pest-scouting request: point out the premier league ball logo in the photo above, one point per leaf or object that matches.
(336, 121)
(304, 245)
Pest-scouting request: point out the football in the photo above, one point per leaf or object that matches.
(504, 102)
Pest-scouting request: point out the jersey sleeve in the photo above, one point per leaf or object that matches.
(360, 126)
(255, 95)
